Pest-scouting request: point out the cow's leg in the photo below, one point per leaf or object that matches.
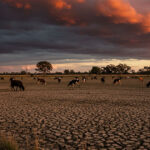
(73, 85)
(14, 88)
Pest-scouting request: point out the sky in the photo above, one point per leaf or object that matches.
(74, 34)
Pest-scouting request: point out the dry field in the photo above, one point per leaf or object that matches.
(94, 116)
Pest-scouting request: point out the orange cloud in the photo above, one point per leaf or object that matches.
(67, 12)
(120, 11)
(80, 1)
(69, 20)
(62, 10)
(146, 23)
(27, 6)
(61, 4)
(19, 5)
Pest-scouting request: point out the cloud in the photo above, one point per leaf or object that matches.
(105, 28)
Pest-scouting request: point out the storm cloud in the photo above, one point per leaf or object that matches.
(94, 28)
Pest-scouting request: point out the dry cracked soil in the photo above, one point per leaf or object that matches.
(93, 116)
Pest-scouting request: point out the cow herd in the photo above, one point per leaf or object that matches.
(18, 84)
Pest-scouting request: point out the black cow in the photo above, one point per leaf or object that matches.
(117, 81)
(17, 84)
(103, 79)
(148, 84)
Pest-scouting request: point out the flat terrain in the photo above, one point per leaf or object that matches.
(94, 116)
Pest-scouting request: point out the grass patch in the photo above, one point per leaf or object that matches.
(7, 143)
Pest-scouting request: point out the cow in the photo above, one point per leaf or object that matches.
(83, 79)
(1, 78)
(17, 84)
(73, 82)
(117, 81)
(42, 81)
(148, 84)
(103, 80)
(58, 79)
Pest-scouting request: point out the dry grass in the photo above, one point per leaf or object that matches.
(7, 143)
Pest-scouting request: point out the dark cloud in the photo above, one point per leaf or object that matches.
(100, 28)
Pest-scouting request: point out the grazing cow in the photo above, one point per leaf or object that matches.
(117, 81)
(148, 84)
(2, 78)
(103, 79)
(74, 82)
(58, 79)
(95, 78)
(17, 84)
(42, 81)
(83, 79)
(34, 78)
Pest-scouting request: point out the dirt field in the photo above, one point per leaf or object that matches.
(94, 116)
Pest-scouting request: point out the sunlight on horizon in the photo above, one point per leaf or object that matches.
(79, 65)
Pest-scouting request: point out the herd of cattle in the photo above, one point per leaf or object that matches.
(18, 84)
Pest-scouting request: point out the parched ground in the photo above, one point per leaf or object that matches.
(91, 117)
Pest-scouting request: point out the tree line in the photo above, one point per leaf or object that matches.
(111, 69)
(46, 67)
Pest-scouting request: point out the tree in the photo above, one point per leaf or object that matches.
(44, 67)
(66, 71)
(119, 69)
(123, 68)
(95, 70)
(72, 72)
(145, 70)
(110, 69)
(23, 72)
